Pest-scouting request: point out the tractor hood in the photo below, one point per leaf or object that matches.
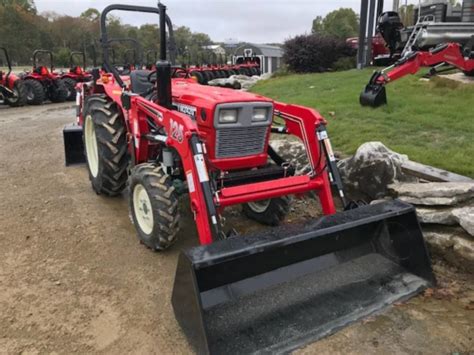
(192, 93)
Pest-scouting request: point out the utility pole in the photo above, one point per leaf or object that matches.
(368, 16)
(396, 5)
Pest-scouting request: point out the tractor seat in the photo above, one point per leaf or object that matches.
(139, 82)
(76, 70)
(42, 70)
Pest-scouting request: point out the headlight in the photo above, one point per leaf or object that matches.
(259, 114)
(228, 116)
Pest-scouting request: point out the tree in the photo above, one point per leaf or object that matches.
(341, 23)
(407, 14)
(318, 25)
(91, 15)
(25, 5)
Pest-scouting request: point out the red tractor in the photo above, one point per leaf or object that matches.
(44, 84)
(12, 88)
(274, 290)
(76, 74)
(248, 65)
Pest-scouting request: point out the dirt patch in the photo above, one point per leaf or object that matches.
(73, 277)
(459, 77)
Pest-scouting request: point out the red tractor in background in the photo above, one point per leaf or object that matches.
(44, 84)
(268, 292)
(76, 74)
(128, 64)
(12, 88)
(248, 66)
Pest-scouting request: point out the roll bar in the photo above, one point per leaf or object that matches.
(73, 54)
(149, 52)
(43, 51)
(9, 64)
(131, 8)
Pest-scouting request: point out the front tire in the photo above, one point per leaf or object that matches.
(154, 206)
(19, 99)
(269, 212)
(35, 94)
(105, 145)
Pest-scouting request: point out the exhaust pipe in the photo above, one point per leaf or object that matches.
(280, 289)
(163, 67)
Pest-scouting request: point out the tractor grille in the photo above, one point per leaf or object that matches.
(240, 141)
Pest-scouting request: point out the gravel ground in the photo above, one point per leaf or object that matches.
(73, 277)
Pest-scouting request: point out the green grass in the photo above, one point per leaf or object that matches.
(432, 122)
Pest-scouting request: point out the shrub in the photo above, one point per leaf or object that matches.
(314, 53)
(345, 63)
(282, 71)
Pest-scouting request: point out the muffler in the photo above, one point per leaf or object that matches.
(73, 145)
(275, 291)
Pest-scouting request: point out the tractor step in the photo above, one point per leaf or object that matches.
(271, 172)
(73, 145)
(278, 290)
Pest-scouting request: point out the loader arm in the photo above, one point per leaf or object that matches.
(451, 53)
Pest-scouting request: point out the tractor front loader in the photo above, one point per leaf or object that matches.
(452, 54)
(12, 88)
(271, 291)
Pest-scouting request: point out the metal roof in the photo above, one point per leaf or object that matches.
(265, 49)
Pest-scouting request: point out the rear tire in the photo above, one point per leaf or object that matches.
(198, 76)
(105, 145)
(71, 88)
(59, 93)
(154, 206)
(35, 94)
(269, 212)
(20, 95)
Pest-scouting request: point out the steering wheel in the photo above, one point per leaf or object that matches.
(176, 72)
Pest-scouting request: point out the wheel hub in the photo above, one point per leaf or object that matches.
(259, 206)
(143, 209)
(92, 152)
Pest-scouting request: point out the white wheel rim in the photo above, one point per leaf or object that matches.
(91, 146)
(142, 208)
(29, 93)
(16, 96)
(259, 206)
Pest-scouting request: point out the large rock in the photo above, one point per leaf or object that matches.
(465, 217)
(372, 169)
(294, 152)
(452, 244)
(439, 240)
(230, 83)
(436, 216)
(464, 248)
(434, 193)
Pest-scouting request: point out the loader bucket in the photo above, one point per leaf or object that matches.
(73, 145)
(374, 95)
(277, 291)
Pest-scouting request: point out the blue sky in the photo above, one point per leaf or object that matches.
(259, 21)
